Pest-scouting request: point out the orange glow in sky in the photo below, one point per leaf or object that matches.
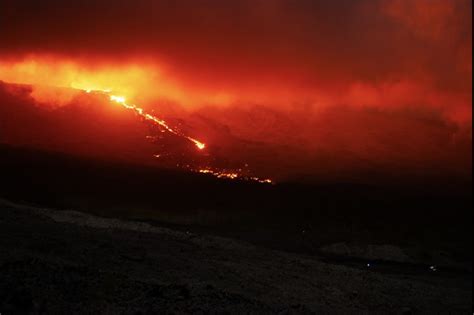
(144, 81)
(274, 84)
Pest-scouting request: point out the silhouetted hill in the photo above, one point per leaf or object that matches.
(437, 214)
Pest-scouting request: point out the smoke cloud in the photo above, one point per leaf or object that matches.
(383, 80)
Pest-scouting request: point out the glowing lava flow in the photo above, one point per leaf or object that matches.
(122, 101)
(200, 145)
(140, 111)
(234, 175)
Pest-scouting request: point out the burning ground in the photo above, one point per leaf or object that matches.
(273, 90)
(131, 134)
(256, 143)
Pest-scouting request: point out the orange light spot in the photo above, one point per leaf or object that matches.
(234, 176)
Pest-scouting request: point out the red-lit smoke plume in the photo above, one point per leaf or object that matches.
(326, 85)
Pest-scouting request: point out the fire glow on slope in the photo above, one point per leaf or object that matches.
(233, 175)
(119, 83)
(222, 174)
(122, 101)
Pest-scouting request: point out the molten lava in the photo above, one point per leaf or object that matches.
(119, 84)
(141, 112)
(234, 175)
(222, 174)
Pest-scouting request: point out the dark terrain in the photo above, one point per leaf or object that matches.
(296, 248)
(65, 262)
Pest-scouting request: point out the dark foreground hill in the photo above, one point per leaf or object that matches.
(432, 213)
(390, 247)
(67, 262)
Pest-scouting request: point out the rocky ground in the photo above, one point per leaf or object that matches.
(54, 262)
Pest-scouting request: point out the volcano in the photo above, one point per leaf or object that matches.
(98, 124)
(235, 157)
(341, 144)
